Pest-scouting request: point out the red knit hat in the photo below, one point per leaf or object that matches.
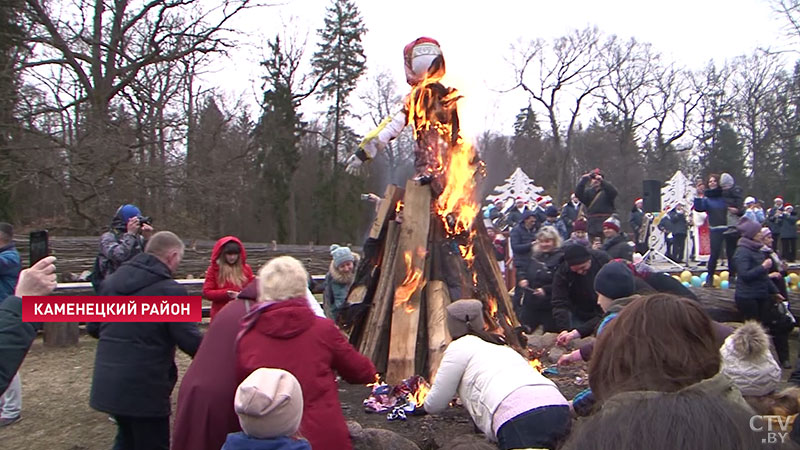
(579, 225)
(612, 223)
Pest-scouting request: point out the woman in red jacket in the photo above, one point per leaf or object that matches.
(227, 274)
(283, 332)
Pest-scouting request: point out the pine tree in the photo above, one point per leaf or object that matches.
(340, 58)
(278, 135)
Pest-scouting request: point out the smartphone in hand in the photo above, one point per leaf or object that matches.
(39, 245)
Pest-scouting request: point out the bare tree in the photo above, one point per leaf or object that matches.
(561, 77)
(790, 11)
(99, 49)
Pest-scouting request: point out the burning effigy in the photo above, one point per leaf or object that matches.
(438, 252)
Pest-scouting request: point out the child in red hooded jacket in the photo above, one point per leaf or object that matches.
(227, 274)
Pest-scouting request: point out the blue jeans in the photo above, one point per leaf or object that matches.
(542, 427)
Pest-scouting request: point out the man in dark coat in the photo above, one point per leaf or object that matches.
(775, 220)
(575, 308)
(522, 237)
(637, 219)
(569, 212)
(680, 228)
(514, 215)
(617, 244)
(17, 336)
(598, 197)
(134, 370)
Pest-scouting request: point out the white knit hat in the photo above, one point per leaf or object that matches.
(748, 362)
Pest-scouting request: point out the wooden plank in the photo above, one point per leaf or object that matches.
(484, 255)
(437, 299)
(385, 210)
(375, 329)
(409, 279)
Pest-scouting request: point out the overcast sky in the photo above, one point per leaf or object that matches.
(476, 36)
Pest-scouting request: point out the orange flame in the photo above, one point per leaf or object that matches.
(418, 397)
(451, 157)
(492, 307)
(410, 283)
(399, 206)
(377, 381)
(536, 364)
(508, 320)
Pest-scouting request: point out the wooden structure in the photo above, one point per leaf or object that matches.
(410, 272)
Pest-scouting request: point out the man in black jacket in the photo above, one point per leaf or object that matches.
(599, 200)
(522, 237)
(134, 370)
(617, 245)
(17, 336)
(575, 309)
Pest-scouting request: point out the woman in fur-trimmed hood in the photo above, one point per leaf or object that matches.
(339, 279)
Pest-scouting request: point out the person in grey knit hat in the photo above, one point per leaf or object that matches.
(340, 277)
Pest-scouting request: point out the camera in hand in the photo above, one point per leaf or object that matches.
(144, 220)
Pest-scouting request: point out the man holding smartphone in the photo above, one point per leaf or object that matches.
(126, 238)
(10, 266)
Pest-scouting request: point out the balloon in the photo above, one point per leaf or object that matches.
(686, 283)
(686, 276)
(724, 284)
(716, 281)
(696, 281)
(788, 279)
(795, 278)
(724, 275)
(678, 278)
(704, 277)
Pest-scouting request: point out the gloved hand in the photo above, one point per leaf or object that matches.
(353, 164)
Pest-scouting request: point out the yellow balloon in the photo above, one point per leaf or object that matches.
(717, 280)
(677, 277)
(794, 278)
(724, 275)
(686, 276)
(795, 287)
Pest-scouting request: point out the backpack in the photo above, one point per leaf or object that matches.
(98, 274)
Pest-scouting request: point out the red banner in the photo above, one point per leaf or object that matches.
(87, 308)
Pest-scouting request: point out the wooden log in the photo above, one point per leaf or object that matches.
(385, 210)
(720, 304)
(437, 299)
(61, 334)
(409, 278)
(375, 333)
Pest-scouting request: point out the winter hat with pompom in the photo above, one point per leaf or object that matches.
(748, 362)
(269, 403)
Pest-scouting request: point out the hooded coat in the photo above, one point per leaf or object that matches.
(287, 335)
(134, 366)
(218, 293)
(205, 413)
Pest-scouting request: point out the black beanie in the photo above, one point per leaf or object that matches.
(231, 247)
(576, 254)
(615, 280)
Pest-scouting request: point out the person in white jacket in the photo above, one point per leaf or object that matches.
(509, 401)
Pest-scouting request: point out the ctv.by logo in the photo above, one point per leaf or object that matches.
(777, 428)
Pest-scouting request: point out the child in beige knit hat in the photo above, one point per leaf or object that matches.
(269, 403)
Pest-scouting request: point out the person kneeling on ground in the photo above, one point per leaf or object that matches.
(510, 401)
(269, 403)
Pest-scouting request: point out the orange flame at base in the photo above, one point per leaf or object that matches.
(536, 364)
(418, 397)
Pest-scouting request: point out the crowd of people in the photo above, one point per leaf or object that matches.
(264, 375)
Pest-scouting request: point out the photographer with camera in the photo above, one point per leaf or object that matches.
(125, 239)
(598, 198)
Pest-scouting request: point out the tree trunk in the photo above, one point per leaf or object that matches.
(61, 334)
